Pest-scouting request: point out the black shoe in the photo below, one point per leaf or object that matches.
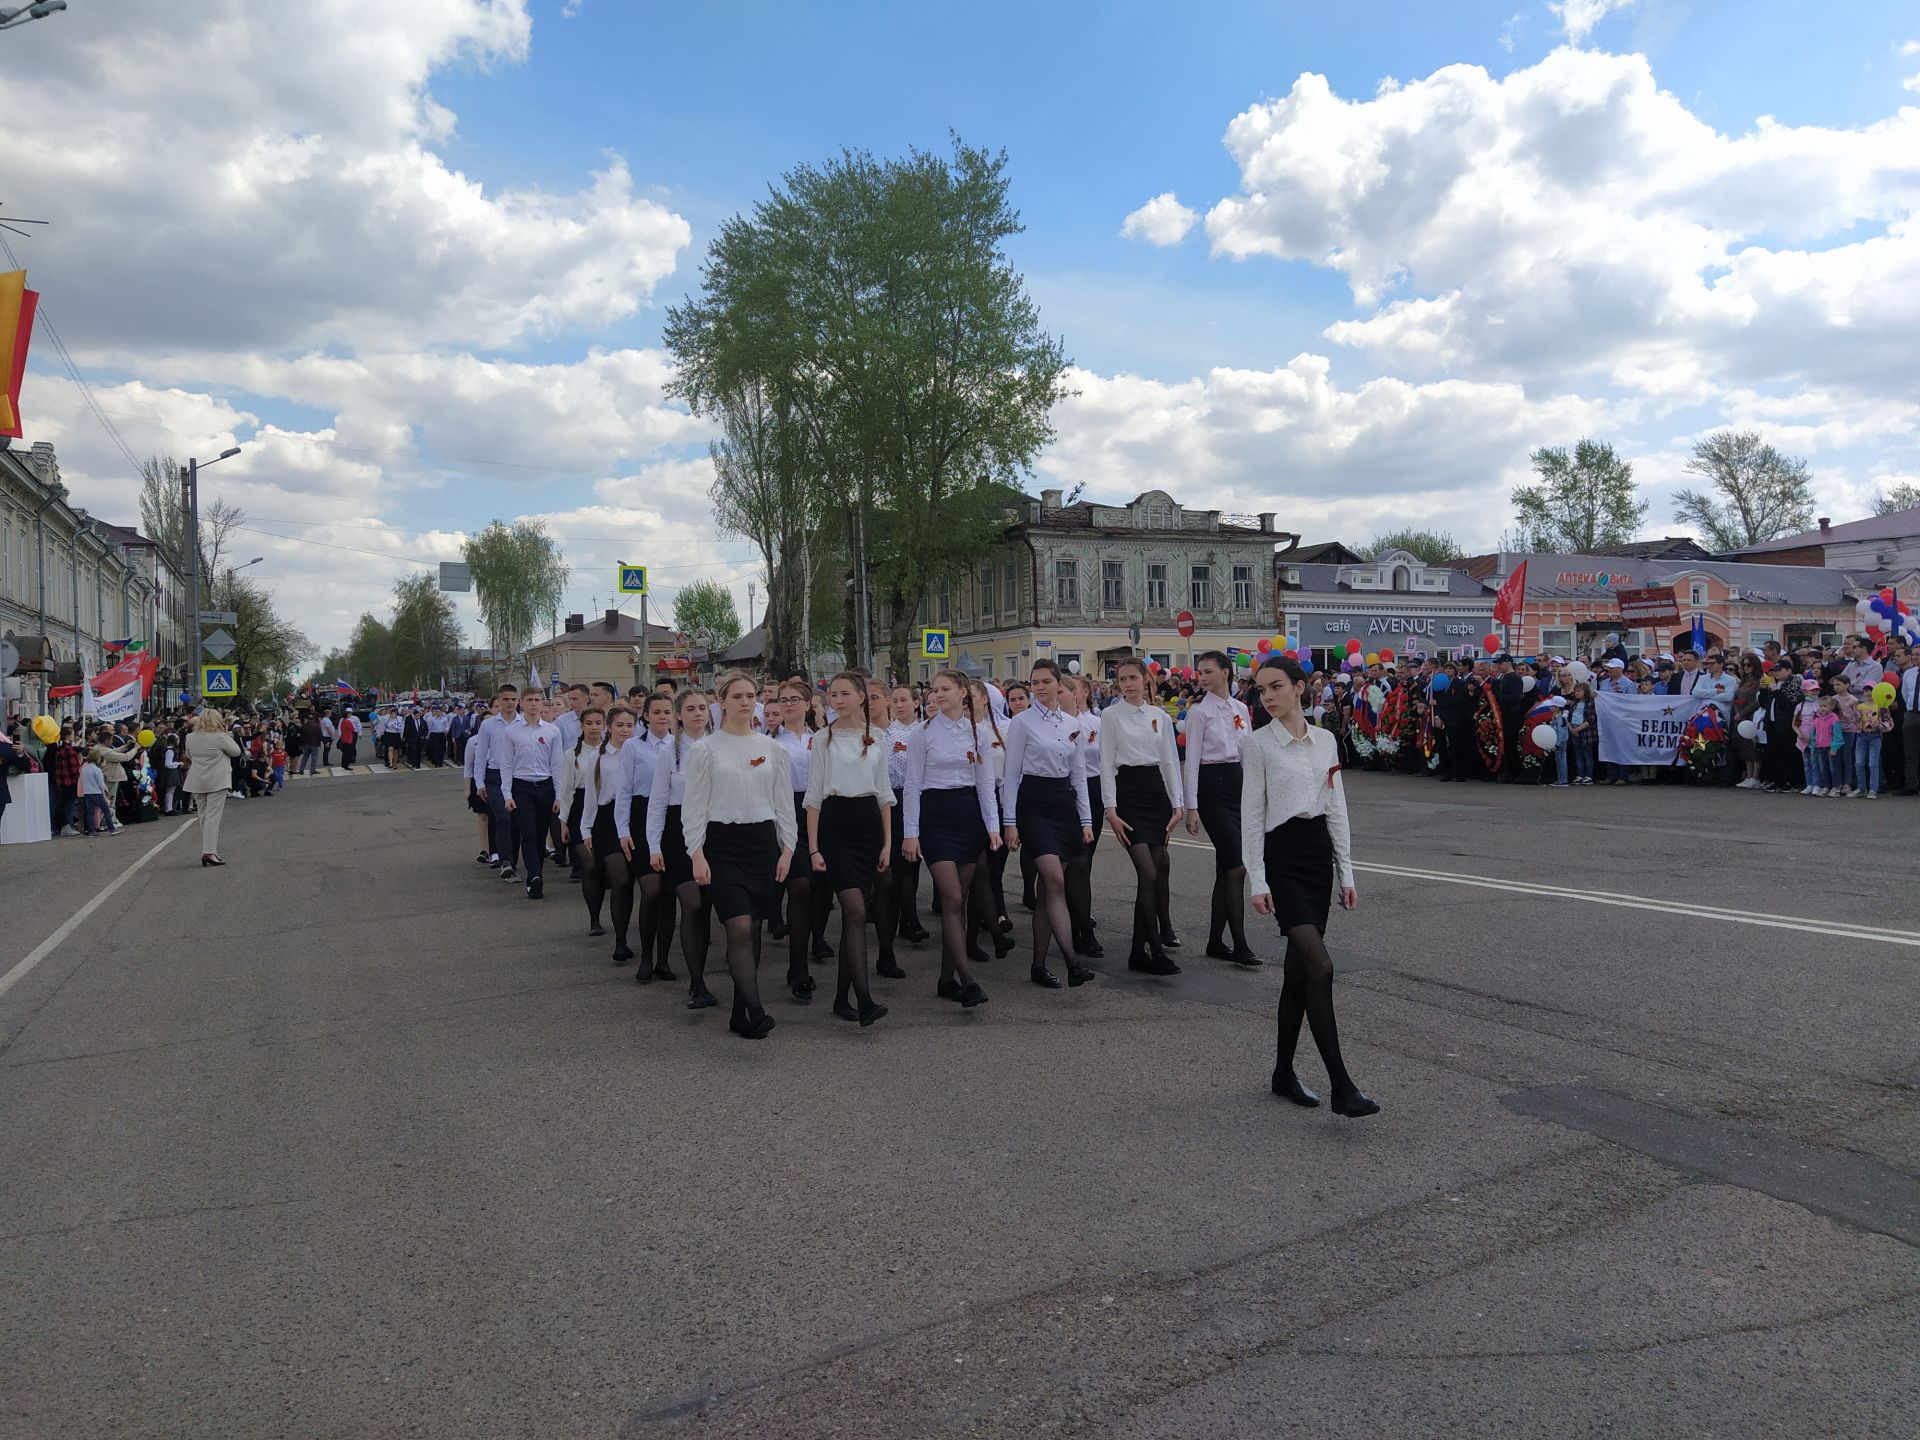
(873, 1010)
(845, 1011)
(973, 995)
(1002, 947)
(822, 952)
(1246, 957)
(1216, 951)
(1089, 947)
(1287, 1085)
(753, 1027)
(1044, 977)
(1005, 925)
(1169, 940)
(1354, 1105)
(506, 873)
(802, 989)
(1152, 964)
(536, 889)
(663, 971)
(596, 930)
(622, 955)
(890, 969)
(978, 956)
(948, 990)
(644, 975)
(1078, 975)
(916, 936)
(701, 999)
(483, 857)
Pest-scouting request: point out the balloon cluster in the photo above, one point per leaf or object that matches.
(1886, 615)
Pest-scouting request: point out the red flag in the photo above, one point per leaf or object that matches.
(1513, 595)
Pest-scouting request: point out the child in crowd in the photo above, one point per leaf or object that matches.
(93, 797)
(1822, 753)
(1846, 749)
(1581, 734)
(279, 761)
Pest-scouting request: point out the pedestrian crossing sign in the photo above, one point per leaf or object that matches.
(633, 579)
(933, 643)
(219, 682)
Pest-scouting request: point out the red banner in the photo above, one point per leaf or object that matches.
(1512, 597)
(1654, 605)
(134, 667)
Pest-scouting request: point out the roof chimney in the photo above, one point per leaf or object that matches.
(613, 619)
(1267, 517)
(576, 622)
(1050, 499)
(1826, 524)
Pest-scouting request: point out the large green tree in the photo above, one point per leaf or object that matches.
(1901, 495)
(423, 636)
(1584, 500)
(707, 605)
(1754, 492)
(519, 581)
(1436, 547)
(867, 319)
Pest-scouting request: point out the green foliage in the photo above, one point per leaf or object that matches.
(423, 638)
(267, 648)
(1584, 501)
(519, 581)
(1435, 547)
(707, 605)
(1762, 493)
(881, 372)
(1901, 495)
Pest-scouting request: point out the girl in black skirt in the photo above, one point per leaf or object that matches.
(951, 818)
(567, 792)
(737, 816)
(896, 904)
(639, 758)
(1018, 699)
(806, 893)
(666, 842)
(1293, 828)
(606, 866)
(1076, 698)
(1043, 803)
(849, 808)
(1217, 729)
(1140, 777)
(988, 897)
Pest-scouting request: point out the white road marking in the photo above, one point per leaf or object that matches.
(47, 946)
(1837, 929)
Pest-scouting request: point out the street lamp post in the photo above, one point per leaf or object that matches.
(192, 498)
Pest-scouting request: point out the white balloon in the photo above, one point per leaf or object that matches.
(1544, 738)
(1179, 727)
(1579, 671)
(1747, 729)
(1073, 667)
(1526, 684)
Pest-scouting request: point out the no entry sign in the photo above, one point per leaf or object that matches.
(1183, 622)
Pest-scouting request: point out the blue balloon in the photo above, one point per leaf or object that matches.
(1441, 682)
(1306, 666)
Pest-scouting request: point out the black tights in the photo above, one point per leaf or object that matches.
(953, 882)
(649, 885)
(1308, 990)
(853, 946)
(1050, 920)
(800, 909)
(664, 914)
(1080, 896)
(886, 908)
(695, 923)
(743, 954)
(1150, 865)
(609, 875)
(1229, 907)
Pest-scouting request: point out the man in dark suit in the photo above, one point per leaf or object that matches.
(1511, 696)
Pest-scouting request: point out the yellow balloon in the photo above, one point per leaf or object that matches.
(1373, 658)
(146, 739)
(1883, 694)
(47, 728)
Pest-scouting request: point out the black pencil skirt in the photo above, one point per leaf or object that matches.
(850, 841)
(1047, 817)
(1140, 800)
(673, 849)
(1300, 872)
(743, 859)
(950, 826)
(1218, 802)
(604, 834)
(1096, 807)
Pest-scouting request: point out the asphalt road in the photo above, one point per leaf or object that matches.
(348, 1139)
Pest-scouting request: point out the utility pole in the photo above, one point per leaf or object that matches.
(750, 590)
(192, 507)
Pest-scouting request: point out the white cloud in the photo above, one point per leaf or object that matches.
(1578, 17)
(1573, 220)
(1163, 220)
(1910, 47)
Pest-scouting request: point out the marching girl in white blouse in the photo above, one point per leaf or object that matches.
(667, 853)
(1217, 729)
(737, 816)
(636, 787)
(807, 894)
(952, 818)
(567, 792)
(1140, 777)
(1075, 698)
(1293, 831)
(849, 830)
(896, 902)
(988, 897)
(1043, 803)
(606, 869)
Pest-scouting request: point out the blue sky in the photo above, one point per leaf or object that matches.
(418, 257)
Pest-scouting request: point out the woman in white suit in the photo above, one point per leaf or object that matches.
(211, 751)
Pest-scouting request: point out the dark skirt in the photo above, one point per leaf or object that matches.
(1047, 817)
(1219, 805)
(605, 834)
(574, 813)
(850, 840)
(476, 804)
(743, 859)
(1140, 800)
(950, 826)
(1300, 872)
(673, 849)
(897, 836)
(1096, 807)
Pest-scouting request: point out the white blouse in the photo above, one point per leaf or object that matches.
(1283, 778)
(1138, 735)
(598, 779)
(946, 754)
(669, 788)
(737, 780)
(797, 744)
(633, 777)
(842, 766)
(1217, 730)
(898, 736)
(1046, 744)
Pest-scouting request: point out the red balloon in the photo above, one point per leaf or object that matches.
(1291, 654)
(1491, 644)
(1263, 645)
(1153, 667)
(1354, 647)
(1887, 595)
(1386, 657)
